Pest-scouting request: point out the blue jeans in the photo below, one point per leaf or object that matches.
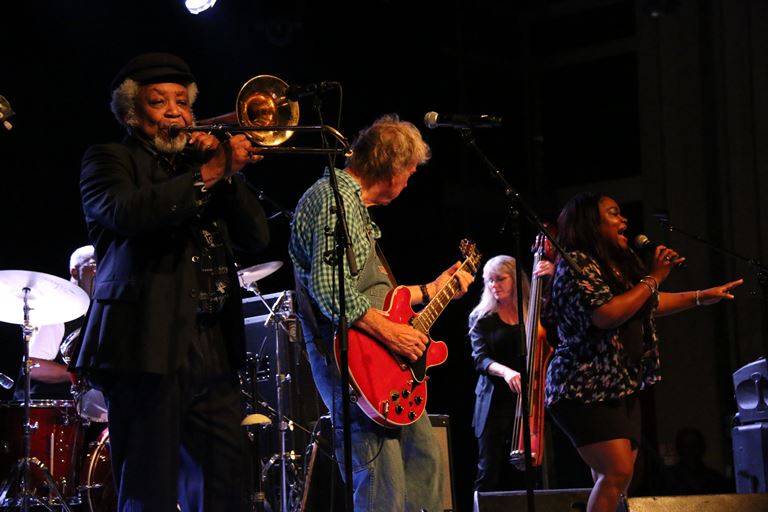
(393, 469)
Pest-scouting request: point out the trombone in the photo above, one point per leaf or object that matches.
(268, 118)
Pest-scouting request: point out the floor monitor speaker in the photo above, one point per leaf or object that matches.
(549, 500)
(700, 503)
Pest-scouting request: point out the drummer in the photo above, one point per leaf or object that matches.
(49, 377)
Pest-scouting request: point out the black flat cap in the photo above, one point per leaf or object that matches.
(155, 68)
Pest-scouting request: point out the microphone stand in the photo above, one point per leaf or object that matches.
(265, 198)
(761, 271)
(517, 206)
(343, 250)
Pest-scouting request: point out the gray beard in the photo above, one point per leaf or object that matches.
(166, 145)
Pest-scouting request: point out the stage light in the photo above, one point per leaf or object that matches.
(198, 6)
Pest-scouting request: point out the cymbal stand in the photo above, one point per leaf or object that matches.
(258, 496)
(22, 469)
(277, 314)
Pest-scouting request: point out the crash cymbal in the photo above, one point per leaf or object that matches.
(52, 300)
(255, 419)
(255, 273)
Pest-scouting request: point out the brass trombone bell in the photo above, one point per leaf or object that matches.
(261, 103)
(267, 117)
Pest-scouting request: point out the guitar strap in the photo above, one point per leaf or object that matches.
(384, 264)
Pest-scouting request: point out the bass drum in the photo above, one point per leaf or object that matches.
(97, 486)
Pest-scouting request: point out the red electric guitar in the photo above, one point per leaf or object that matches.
(390, 389)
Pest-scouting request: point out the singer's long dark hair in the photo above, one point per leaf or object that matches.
(578, 228)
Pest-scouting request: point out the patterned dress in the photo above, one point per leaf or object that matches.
(592, 364)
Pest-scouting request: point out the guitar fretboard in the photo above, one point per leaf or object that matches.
(429, 315)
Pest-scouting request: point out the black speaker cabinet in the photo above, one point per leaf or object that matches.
(324, 488)
(702, 503)
(550, 500)
(441, 426)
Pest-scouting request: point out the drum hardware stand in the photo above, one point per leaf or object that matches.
(21, 470)
(257, 496)
(278, 317)
(278, 314)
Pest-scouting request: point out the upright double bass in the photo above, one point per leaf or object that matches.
(538, 353)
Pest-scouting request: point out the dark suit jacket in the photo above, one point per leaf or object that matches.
(492, 341)
(139, 215)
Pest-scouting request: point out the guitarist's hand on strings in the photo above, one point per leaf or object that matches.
(406, 341)
(402, 339)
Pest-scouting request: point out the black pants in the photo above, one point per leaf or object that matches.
(177, 439)
(494, 471)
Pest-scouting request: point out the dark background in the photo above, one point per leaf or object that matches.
(660, 104)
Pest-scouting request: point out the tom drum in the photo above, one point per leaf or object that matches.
(56, 442)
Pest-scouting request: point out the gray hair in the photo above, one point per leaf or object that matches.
(123, 103)
(501, 265)
(80, 256)
(386, 148)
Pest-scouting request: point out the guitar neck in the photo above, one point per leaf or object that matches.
(429, 315)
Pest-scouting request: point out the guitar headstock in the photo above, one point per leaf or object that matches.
(471, 255)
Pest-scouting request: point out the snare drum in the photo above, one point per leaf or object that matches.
(96, 483)
(56, 442)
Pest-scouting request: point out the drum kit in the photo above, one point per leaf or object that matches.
(41, 455)
(46, 450)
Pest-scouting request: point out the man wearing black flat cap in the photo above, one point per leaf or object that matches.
(169, 213)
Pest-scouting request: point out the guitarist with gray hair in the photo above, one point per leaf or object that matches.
(395, 457)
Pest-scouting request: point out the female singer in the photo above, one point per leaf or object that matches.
(494, 331)
(609, 349)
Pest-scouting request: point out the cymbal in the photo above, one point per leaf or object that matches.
(255, 273)
(52, 300)
(255, 419)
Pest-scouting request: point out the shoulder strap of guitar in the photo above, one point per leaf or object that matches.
(384, 263)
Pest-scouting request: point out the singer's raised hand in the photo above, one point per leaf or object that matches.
(717, 293)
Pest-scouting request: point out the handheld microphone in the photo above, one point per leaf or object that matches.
(643, 243)
(435, 120)
(296, 92)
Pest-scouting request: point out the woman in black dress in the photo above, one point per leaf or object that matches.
(494, 330)
(608, 348)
